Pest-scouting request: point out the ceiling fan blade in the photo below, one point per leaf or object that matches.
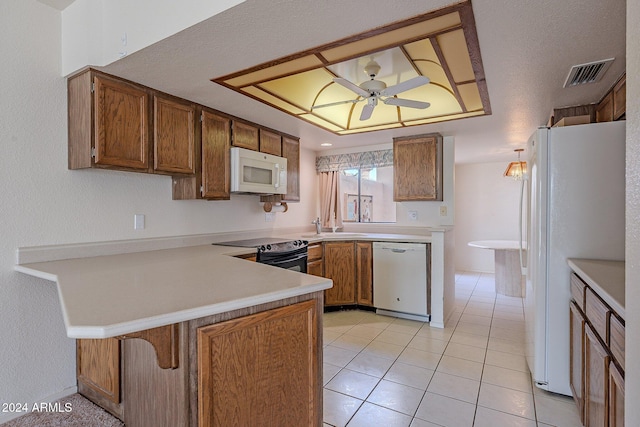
(401, 87)
(366, 111)
(406, 103)
(352, 87)
(331, 104)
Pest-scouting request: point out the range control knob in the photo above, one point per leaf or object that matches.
(262, 248)
(268, 247)
(295, 243)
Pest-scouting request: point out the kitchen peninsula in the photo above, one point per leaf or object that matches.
(197, 337)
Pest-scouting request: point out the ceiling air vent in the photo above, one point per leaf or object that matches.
(587, 73)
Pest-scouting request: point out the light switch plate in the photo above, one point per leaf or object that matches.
(138, 222)
(269, 216)
(413, 215)
(443, 210)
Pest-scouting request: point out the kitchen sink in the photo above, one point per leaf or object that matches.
(337, 235)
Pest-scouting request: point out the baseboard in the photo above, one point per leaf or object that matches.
(8, 416)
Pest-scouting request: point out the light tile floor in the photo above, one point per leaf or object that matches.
(383, 371)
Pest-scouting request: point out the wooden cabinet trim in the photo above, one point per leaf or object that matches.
(576, 356)
(165, 341)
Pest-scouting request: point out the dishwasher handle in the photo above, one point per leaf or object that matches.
(398, 251)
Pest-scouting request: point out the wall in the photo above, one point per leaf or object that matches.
(632, 351)
(43, 203)
(486, 209)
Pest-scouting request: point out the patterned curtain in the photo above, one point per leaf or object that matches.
(367, 159)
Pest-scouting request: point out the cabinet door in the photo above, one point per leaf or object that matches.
(620, 98)
(174, 140)
(291, 150)
(315, 268)
(245, 135)
(121, 117)
(616, 397)
(417, 168)
(339, 266)
(261, 370)
(604, 111)
(364, 263)
(216, 142)
(98, 369)
(596, 380)
(576, 350)
(270, 142)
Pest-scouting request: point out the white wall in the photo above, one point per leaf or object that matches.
(486, 209)
(632, 355)
(43, 203)
(99, 32)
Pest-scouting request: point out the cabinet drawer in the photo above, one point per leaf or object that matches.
(314, 252)
(597, 312)
(577, 290)
(616, 339)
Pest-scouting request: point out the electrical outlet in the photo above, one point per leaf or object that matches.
(138, 222)
(413, 215)
(269, 216)
(443, 210)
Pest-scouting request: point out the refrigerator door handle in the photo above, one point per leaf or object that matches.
(523, 268)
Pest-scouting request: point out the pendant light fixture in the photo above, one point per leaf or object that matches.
(517, 170)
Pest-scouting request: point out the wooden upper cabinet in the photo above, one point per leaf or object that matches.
(620, 98)
(604, 112)
(121, 116)
(174, 138)
(216, 142)
(291, 151)
(270, 142)
(245, 135)
(417, 168)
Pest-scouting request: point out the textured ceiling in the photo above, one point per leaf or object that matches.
(527, 49)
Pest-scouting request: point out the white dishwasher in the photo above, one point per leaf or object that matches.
(400, 279)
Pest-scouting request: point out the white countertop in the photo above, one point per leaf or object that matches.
(606, 278)
(106, 296)
(374, 237)
(497, 244)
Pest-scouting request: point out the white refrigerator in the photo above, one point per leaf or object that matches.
(575, 204)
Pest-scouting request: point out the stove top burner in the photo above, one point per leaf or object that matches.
(267, 244)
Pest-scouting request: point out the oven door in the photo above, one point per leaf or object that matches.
(295, 262)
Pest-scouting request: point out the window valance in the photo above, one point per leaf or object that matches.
(367, 159)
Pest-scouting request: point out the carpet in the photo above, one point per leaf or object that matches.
(70, 411)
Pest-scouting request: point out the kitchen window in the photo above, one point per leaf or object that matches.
(367, 194)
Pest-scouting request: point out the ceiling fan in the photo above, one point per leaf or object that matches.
(374, 90)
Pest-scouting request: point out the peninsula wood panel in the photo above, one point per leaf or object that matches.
(417, 168)
(364, 279)
(216, 143)
(121, 124)
(98, 366)
(174, 138)
(339, 266)
(245, 135)
(260, 369)
(270, 142)
(291, 151)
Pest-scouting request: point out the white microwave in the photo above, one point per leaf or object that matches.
(255, 172)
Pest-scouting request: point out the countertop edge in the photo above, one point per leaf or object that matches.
(585, 269)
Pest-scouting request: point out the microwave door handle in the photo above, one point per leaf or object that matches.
(277, 176)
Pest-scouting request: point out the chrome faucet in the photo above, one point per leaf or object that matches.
(318, 225)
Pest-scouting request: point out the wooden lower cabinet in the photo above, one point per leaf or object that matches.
(315, 259)
(340, 266)
(256, 366)
(576, 352)
(98, 372)
(364, 279)
(616, 396)
(260, 370)
(596, 380)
